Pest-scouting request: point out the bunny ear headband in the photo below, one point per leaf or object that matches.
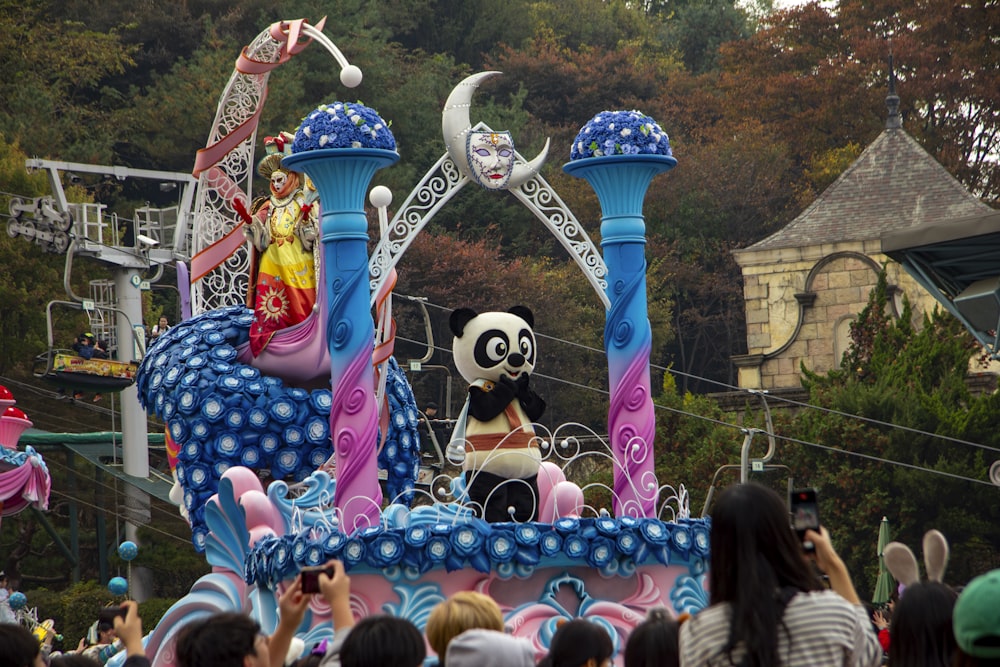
(902, 564)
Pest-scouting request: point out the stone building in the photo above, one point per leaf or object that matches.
(806, 283)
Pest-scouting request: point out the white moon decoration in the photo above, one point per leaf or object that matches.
(456, 126)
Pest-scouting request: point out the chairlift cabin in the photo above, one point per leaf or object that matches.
(68, 370)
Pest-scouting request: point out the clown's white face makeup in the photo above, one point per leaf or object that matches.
(491, 158)
(278, 181)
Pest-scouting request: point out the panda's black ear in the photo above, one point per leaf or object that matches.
(459, 318)
(524, 313)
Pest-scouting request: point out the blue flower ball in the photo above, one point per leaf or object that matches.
(17, 600)
(118, 586)
(128, 550)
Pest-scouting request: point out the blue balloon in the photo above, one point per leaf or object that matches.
(17, 600)
(118, 586)
(128, 550)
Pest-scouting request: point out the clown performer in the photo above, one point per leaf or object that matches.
(283, 230)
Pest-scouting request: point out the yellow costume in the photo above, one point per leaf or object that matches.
(283, 230)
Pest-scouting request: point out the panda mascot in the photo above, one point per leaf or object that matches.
(493, 437)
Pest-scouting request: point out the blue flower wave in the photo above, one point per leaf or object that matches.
(609, 545)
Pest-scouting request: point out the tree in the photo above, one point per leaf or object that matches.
(914, 379)
(947, 65)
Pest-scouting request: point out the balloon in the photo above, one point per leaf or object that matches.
(128, 550)
(566, 500)
(549, 474)
(118, 586)
(17, 600)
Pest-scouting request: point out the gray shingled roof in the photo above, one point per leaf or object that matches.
(894, 184)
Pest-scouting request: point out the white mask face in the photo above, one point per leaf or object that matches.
(278, 180)
(491, 158)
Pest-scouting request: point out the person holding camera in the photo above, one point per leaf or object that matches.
(102, 639)
(768, 604)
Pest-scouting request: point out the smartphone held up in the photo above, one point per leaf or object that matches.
(804, 509)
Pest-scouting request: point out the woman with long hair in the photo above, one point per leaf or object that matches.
(769, 607)
(921, 626)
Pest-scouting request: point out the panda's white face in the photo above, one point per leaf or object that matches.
(493, 345)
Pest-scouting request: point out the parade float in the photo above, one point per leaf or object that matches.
(279, 435)
(24, 477)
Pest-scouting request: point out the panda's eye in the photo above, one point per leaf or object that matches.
(496, 348)
(527, 350)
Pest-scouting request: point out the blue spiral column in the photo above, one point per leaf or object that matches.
(620, 182)
(342, 177)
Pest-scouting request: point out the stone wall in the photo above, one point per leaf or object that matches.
(800, 303)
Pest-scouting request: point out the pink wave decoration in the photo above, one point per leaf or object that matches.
(354, 428)
(631, 421)
(27, 484)
(299, 355)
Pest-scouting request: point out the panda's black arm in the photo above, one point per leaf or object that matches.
(485, 405)
(533, 404)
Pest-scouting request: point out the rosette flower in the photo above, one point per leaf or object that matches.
(269, 443)
(620, 133)
(700, 542)
(567, 525)
(282, 410)
(527, 534)
(227, 445)
(299, 546)
(501, 545)
(385, 550)
(467, 539)
(250, 457)
(257, 418)
(334, 544)
(601, 553)
(235, 418)
(654, 532)
(313, 555)
(681, 539)
(187, 402)
(627, 541)
(551, 544)
(343, 125)
(317, 430)
(657, 541)
(575, 546)
(197, 475)
(415, 538)
(437, 550)
(354, 551)
(607, 526)
(285, 463)
(212, 408)
(178, 430)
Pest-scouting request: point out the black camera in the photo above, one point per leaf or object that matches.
(310, 577)
(108, 615)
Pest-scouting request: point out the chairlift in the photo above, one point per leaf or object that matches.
(69, 371)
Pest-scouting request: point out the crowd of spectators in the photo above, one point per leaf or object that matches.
(772, 602)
